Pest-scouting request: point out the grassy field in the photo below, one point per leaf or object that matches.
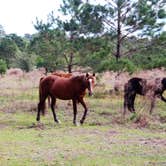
(106, 138)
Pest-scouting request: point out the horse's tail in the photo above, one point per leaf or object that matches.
(49, 101)
(42, 98)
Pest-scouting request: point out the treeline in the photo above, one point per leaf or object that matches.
(118, 35)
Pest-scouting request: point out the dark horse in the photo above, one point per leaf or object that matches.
(141, 86)
(72, 88)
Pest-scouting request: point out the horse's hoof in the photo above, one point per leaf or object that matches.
(81, 122)
(58, 121)
(77, 124)
(37, 119)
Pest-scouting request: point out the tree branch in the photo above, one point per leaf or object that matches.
(67, 61)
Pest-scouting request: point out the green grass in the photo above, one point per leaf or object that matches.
(106, 139)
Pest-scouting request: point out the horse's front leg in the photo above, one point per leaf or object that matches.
(74, 112)
(130, 101)
(85, 111)
(53, 101)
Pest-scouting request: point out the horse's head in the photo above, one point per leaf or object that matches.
(90, 81)
(164, 83)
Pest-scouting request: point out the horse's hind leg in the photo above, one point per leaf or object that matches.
(53, 101)
(38, 113)
(49, 101)
(41, 107)
(85, 111)
(74, 112)
(125, 103)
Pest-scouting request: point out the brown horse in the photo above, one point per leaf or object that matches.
(60, 74)
(72, 88)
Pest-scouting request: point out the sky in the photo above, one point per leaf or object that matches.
(18, 16)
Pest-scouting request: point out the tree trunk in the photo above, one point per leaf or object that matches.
(70, 68)
(118, 46)
(70, 63)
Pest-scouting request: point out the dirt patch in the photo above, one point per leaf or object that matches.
(113, 132)
(2, 126)
(118, 120)
(141, 122)
(153, 141)
(26, 106)
(162, 119)
(106, 114)
(38, 126)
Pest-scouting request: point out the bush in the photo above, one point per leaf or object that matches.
(40, 62)
(3, 66)
(25, 62)
(120, 65)
(150, 61)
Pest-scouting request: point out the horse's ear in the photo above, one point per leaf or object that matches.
(93, 74)
(87, 74)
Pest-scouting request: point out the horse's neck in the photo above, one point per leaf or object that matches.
(78, 81)
(79, 78)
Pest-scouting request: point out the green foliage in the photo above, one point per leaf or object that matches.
(19, 41)
(149, 61)
(161, 13)
(91, 18)
(25, 64)
(3, 66)
(49, 47)
(122, 65)
(40, 62)
(25, 61)
(8, 50)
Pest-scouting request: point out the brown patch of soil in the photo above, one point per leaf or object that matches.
(141, 122)
(38, 126)
(154, 141)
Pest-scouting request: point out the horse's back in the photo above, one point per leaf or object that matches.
(46, 83)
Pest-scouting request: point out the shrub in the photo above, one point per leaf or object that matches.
(150, 61)
(40, 62)
(121, 65)
(3, 66)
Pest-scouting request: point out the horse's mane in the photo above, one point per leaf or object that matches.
(78, 77)
(65, 75)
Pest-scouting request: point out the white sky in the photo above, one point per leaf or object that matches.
(18, 16)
